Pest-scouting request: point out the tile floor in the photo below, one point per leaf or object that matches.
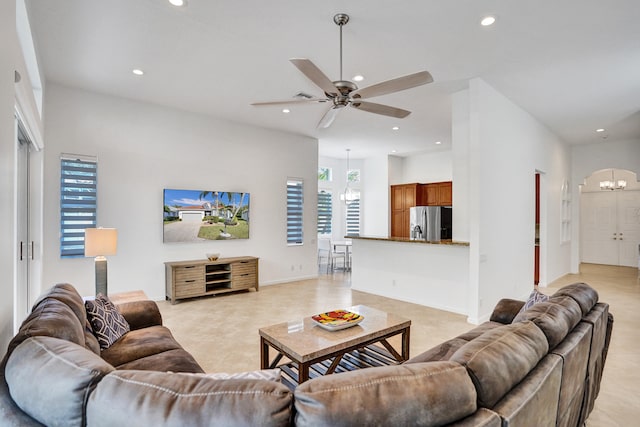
(222, 332)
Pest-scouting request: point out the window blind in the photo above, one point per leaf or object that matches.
(353, 218)
(325, 210)
(78, 202)
(294, 211)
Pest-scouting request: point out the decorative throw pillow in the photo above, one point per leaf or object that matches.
(534, 298)
(107, 322)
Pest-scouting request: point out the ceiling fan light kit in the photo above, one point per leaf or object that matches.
(344, 93)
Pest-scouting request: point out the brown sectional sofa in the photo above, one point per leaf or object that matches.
(541, 367)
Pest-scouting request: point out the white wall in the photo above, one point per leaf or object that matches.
(507, 146)
(433, 166)
(141, 150)
(586, 159)
(8, 59)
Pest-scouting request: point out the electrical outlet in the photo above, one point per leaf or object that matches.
(393, 283)
(293, 267)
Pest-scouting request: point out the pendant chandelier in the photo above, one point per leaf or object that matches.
(349, 194)
(613, 184)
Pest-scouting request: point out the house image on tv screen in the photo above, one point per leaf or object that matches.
(196, 215)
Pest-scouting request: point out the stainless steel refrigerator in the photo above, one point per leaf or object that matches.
(431, 223)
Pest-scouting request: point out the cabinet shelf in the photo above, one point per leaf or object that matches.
(188, 279)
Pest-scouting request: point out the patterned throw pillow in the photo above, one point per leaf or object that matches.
(534, 298)
(107, 322)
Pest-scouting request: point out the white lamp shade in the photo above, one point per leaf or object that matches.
(100, 241)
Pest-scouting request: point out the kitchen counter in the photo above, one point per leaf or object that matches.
(406, 240)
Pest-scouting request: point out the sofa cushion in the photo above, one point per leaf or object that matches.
(440, 352)
(174, 360)
(535, 297)
(582, 293)
(50, 318)
(147, 398)
(420, 394)
(50, 379)
(556, 317)
(139, 344)
(479, 330)
(534, 401)
(505, 310)
(107, 322)
(574, 350)
(500, 358)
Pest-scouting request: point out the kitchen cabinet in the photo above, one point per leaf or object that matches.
(438, 194)
(404, 197)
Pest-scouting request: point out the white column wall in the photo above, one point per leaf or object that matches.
(144, 148)
(375, 199)
(507, 146)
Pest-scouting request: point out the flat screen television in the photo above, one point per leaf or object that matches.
(198, 215)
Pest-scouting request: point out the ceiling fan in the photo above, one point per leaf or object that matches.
(342, 93)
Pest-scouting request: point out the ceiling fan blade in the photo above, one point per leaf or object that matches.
(291, 101)
(314, 74)
(385, 110)
(394, 85)
(328, 117)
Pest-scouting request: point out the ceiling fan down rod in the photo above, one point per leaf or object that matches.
(341, 19)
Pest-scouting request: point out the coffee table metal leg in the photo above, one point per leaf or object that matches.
(264, 354)
(303, 372)
(405, 344)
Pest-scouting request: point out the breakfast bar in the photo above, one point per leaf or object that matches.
(433, 274)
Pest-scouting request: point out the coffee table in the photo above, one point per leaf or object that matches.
(305, 343)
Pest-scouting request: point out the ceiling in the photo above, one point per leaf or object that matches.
(573, 64)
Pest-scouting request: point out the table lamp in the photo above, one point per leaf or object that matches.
(100, 242)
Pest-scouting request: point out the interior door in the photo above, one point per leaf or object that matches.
(598, 220)
(628, 205)
(611, 227)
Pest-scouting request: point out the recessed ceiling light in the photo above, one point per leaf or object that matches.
(137, 72)
(600, 130)
(394, 151)
(487, 20)
(395, 128)
(286, 110)
(358, 78)
(177, 2)
(438, 142)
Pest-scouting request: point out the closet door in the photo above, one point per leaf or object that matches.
(24, 248)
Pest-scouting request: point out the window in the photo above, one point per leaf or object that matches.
(78, 200)
(324, 174)
(294, 211)
(353, 175)
(353, 217)
(325, 209)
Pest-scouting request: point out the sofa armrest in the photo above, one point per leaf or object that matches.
(506, 310)
(141, 314)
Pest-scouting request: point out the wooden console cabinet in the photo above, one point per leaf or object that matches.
(188, 279)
